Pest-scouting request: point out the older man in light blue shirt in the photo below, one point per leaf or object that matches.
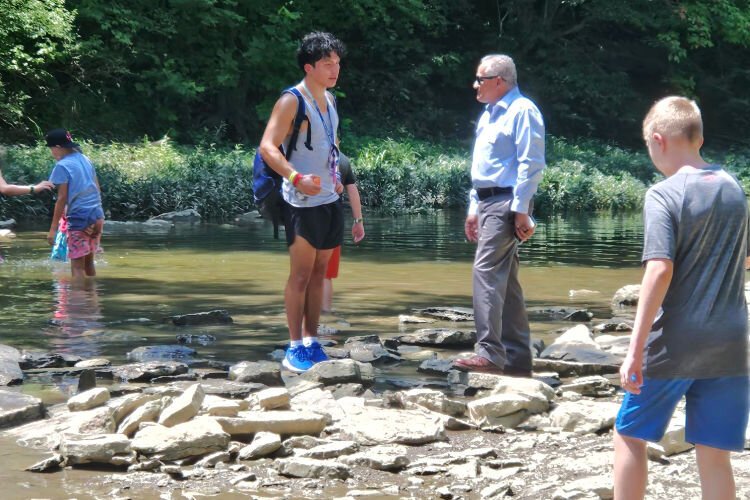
(506, 169)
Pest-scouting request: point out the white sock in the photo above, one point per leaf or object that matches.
(295, 343)
(308, 341)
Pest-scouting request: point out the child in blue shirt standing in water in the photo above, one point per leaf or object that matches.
(79, 197)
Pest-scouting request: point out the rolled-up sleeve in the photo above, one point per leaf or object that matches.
(529, 136)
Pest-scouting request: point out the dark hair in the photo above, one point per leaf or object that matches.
(317, 45)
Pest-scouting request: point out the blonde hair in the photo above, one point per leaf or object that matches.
(674, 116)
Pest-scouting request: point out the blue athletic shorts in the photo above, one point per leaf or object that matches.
(716, 411)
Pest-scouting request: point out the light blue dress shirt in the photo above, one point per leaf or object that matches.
(509, 150)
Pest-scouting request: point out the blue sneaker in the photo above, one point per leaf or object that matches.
(316, 353)
(297, 359)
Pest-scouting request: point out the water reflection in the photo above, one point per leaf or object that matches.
(77, 317)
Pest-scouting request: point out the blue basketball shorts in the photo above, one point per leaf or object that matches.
(716, 410)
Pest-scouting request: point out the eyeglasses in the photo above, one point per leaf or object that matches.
(481, 79)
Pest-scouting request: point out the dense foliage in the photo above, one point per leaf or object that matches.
(144, 180)
(209, 70)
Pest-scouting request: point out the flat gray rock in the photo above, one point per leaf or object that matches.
(224, 388)
(189, 215)
(263, 372)
(36, 359)
(143, 372)
(448, 313)
(160, 353)
(136, 227)
(8, 224)
(17, 408)
(215, 317)
(442, 337)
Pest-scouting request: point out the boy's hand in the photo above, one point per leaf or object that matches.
(51, 237)
(339, 187)
(358, 232)
(631, 374)
(309, 185)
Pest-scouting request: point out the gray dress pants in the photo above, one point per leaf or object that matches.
(503, 334)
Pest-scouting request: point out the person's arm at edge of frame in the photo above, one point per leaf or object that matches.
(530, 148)
(276, 131)
(62, 200)
(656, 279)
(16, 190)
(358, 228)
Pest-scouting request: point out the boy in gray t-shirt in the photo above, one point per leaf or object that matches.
(690, 336)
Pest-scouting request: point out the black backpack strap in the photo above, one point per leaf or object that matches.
(298, 119)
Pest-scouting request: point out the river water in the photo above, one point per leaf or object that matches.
(404, 263)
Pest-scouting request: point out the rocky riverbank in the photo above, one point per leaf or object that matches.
(163, 426)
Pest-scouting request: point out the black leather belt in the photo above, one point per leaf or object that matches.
(484, 193)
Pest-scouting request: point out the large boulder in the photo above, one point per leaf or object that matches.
(491, 410)
(340, 371)
(149, 412)
(221, 407)
(626, 296)
(311, 468)
(10, 370)
(17, 408)
(578, 345)
(184, 407)
(584, 417)
(389, 458)
(263, 372)
(431, 399)
(198, 437)
(264, 443)
(123, 406)
(38, 359)
(278, 422)
(89, 399)
(440, 337)
(99, 448)
(372, 426)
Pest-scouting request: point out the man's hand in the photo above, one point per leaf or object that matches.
(524, 226)
(51, 237)
(43, 186)
(358, 232)
(631, 374)
(339, 187)
(309, 185)
(471, 228)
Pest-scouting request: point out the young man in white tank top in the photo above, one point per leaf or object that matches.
(313, 216)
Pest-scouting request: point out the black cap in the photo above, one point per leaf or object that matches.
(61, 138)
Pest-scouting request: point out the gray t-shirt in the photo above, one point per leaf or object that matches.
(699, 220)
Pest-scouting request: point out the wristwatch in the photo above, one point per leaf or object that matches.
(31, 189)
(358, 220)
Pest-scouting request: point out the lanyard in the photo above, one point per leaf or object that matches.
(329, 129)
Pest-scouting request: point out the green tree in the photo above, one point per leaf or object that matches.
(36, 38)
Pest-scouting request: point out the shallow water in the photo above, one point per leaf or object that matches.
(404, 263)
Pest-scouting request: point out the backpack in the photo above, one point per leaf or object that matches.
(266, 181)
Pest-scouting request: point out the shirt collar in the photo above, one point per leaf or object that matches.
(503, 104)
